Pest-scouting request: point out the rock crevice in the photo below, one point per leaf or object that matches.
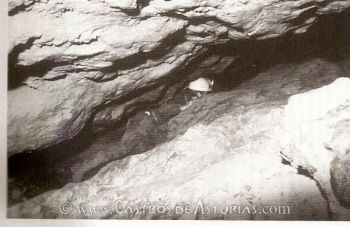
(57, 44)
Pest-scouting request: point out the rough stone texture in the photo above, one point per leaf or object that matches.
(340, 167)
(210, 66)
(69, 58)
(231, 155)
(313, 121)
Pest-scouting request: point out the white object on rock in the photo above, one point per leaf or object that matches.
(123, 4)
(201, 84)
(185, 107)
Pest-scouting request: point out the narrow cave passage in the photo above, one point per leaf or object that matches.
(154, 121)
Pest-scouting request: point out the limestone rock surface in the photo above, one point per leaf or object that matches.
(316, 139)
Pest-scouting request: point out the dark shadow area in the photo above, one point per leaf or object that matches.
(15, 76)
(33, 172)
(21, 8)
(328, 39)
(340, 179)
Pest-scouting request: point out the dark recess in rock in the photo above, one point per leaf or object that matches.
(340, 178)
(20, 8)
(16, 75)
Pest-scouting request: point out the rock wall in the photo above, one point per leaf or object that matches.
(315, 127)
(67, 59)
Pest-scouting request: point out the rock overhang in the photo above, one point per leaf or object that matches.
(70, 58)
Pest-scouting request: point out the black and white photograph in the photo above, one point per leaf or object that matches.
(235, 110)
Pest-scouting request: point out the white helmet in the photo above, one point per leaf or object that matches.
(201, 84)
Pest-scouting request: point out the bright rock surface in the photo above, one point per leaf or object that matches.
(313, 122)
